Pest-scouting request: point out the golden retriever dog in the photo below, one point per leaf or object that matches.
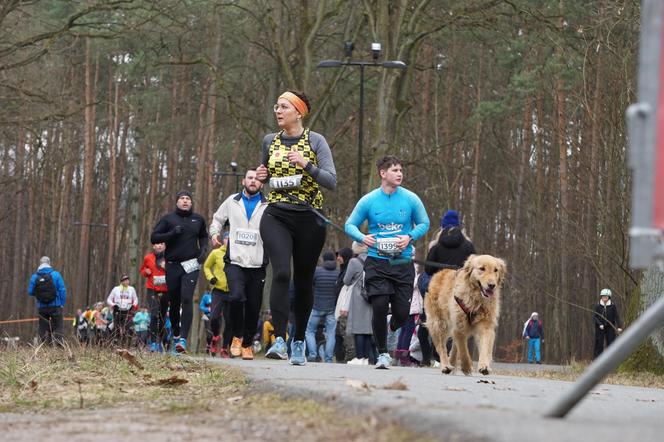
(463, 303)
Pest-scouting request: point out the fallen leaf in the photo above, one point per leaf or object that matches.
(129, 357)
(33, 385)
(455, 389)
(645, 400)
(396, 385)
(173, 380)
(234, 399)
(358, 385)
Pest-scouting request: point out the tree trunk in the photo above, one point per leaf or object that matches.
(88, 177)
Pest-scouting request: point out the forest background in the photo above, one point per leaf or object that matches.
(510, 111)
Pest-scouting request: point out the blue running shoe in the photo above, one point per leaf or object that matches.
(278, 350)
(298, 353)
(154, 348)
(384, 361)
(181, 345)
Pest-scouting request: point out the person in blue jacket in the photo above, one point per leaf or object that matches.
(396, 218)
(48, 288)
(204, 307)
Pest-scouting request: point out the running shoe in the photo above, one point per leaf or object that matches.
(214, 345)
(298, 353)
(247, 353)
(384, 361)
(355, 361)
(223, 354)
(278, 350)
(236, 347)
(181, 345)
(154, 348)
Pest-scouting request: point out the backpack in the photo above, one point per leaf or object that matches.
(44, 290)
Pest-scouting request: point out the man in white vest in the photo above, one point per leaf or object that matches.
(245, 260)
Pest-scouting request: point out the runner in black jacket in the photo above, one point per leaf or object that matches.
(185, 235)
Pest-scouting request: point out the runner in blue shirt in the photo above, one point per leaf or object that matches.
(396, 217)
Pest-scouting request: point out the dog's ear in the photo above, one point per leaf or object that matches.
(502, 270)
(468, 266)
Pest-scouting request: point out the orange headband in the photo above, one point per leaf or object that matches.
(296, 101)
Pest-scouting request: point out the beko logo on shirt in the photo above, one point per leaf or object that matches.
(390, 227)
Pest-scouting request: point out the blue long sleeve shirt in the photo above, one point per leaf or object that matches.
(389, 215)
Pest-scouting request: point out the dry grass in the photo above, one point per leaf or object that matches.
(573, 371)
(46, 380)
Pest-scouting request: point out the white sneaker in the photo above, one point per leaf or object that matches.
(384, 361)
(364, 361)
(354, 361)
(436, 364)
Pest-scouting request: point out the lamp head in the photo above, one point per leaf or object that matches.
(375, 50)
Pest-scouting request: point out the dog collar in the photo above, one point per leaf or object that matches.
(469, 314)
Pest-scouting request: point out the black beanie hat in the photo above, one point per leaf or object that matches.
(183, 193)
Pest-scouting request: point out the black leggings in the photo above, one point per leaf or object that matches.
(181, 286)
(247, 283)
(380, 305)
(232, 312)
(363, 347)
(300, 235)
(158, 306)
(428, 350)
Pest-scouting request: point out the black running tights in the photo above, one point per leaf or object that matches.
(298, 235)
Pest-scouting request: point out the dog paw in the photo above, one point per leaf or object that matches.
(484, 370)
(447, 369)
(466, 371)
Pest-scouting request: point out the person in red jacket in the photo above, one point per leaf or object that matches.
(154, 270)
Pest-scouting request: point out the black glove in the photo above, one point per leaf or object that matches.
(177, 230)
(213, 280)
(202, 257)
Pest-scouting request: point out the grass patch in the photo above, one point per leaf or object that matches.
(47, 378)
(56, 381)
(573, 371)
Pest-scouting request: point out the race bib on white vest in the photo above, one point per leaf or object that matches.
(247, 237)
(286, 182)
(190, 265)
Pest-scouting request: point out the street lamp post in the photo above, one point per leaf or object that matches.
(234, 173)
(87, 277)
(390, 64)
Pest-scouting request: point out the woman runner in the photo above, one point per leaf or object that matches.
(297, 162)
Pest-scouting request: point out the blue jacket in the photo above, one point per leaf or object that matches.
(204, 305)
(61, 291)
(325, 280)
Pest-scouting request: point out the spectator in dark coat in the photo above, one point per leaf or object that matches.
(325, 300)
(607, 322)
(341, 350)
(452, 248)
